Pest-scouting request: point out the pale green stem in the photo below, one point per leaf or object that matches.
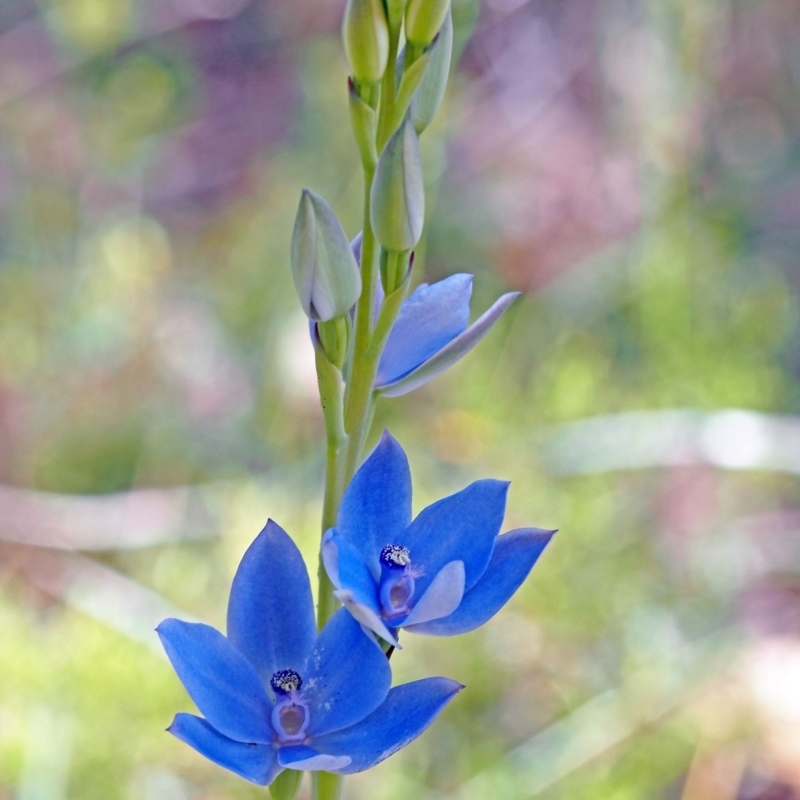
(327, 786)
(365, 395)
(348, 416)
(332, 400)
(364, 307)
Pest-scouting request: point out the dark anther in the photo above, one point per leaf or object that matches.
(286, 681)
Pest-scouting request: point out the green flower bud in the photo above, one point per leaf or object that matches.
(430, 93)
(366, 39)
(334, 338)
(364, 121)
(397, 197)
(409, 79)
(324, 268)
(285, 786)
(424, 18)
(396, 10)
(395, 270)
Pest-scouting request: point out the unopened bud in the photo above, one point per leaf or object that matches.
(325, 272)
(397, 198)
(395, 270)
(396, 9)
(334, 338)
(366, 39)
(364, 122)
(424, 18)
(430, 93)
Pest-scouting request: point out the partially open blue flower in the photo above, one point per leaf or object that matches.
(274, 694)
(446, 572)
(432, 332)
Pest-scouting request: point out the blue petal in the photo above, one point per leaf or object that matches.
(428, 320)
(347, 569)
(376, 507)
(461, 527)
(271, 612)
(407, 711)
(441, 598)
(356, 587)
(254, 762)
(220, 680)
(303, 757)
(453, 351)
(347, 676)
(514, 556)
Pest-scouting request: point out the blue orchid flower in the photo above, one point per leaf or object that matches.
(447, 572)
(276, 695)
(432, 332)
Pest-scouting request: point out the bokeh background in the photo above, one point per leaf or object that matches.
(633, 166)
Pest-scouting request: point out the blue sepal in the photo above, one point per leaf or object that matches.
(395, 386)
(220, 680)
(347, 675)
(377, 505)
(428, 320)
(254, 762)
(514, 556)
(407, 711)
(271, 611)
(463, 526)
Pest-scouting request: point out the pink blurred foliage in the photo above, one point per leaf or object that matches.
(247, 93)
(535, 137)
(192, 354)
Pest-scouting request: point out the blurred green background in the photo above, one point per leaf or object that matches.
(632, 165)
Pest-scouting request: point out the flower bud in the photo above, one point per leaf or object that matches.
(325, 272)
(397, 197)
(366, 39)
(430, 93)
(334, 338)
(364, 123)
(396, 9)
(395, 270)
(424, 18)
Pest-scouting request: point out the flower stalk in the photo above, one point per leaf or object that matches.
(348, 413)
(286, 691)
(383, 118)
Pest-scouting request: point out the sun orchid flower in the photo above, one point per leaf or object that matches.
(276, 695)
(447, 572)
(432, 332)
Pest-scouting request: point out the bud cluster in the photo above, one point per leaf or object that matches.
(392, 100)
(388, 119)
